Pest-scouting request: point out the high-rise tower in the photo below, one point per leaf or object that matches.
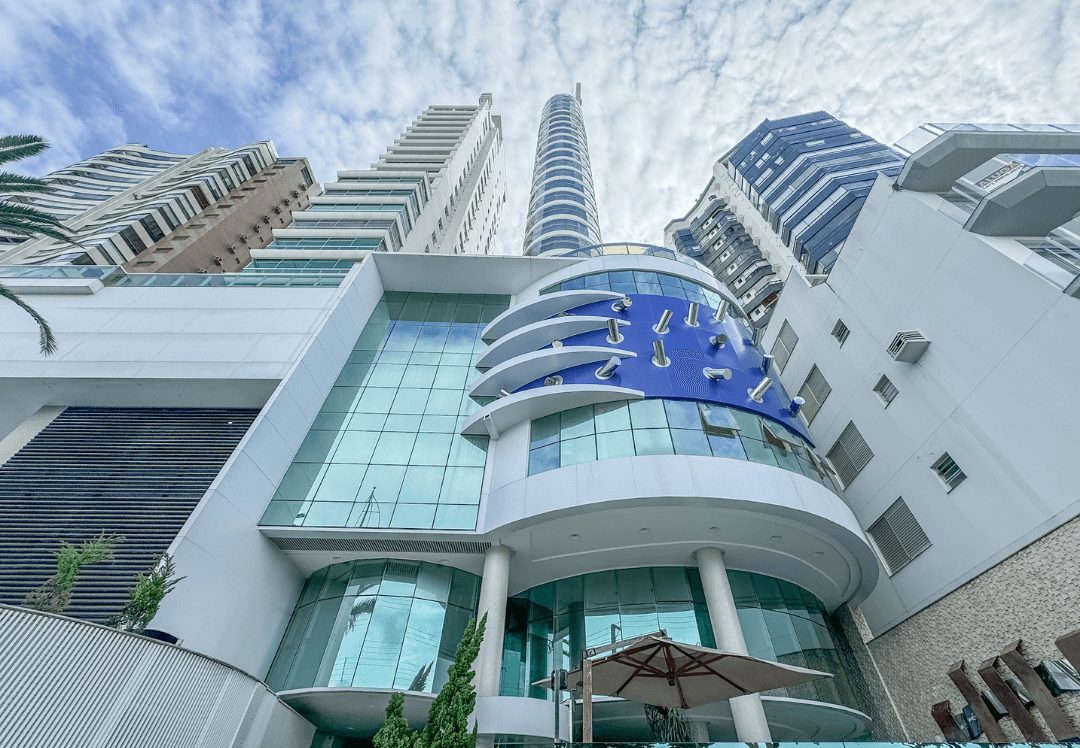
(439, 188)
(562, 207)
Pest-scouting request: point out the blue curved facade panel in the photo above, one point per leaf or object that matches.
(690, 351)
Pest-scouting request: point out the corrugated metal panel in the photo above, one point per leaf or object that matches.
(69, 683)
(135, 472)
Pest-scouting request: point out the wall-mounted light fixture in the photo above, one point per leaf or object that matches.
(766, 363)
(503, 393)
(691, 317)
(556, 344)
(621, 305)
(718, 341)
(715, 374)
(614, 336)
(609, 367)
(758, 392)
(658, 354)
(553, 380)
(661, 327)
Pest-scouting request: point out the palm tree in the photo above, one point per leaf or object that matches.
(23, 220)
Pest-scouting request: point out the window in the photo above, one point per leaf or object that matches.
(886, 390)
(898, 536)
(133, 240)
(850, 454)
(784, 345)
(814, 391)
(949, 472)
(840, 331)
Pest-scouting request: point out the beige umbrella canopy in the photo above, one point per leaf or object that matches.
(666, 673)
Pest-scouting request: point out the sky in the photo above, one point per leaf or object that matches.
(668, 87)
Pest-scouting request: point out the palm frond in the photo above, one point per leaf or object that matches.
(48, 341)
(18, 147)
(12, 183)
(23, 220)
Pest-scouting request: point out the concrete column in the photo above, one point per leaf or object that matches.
(493, 587)
(747, 712)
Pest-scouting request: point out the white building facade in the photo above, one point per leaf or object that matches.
(958, 276)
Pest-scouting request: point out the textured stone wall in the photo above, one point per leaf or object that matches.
(1034, 596)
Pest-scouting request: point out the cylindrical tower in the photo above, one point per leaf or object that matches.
(562, 206)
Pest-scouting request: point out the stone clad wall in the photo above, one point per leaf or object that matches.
(1032, 596)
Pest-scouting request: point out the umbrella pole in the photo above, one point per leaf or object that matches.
(586, 701)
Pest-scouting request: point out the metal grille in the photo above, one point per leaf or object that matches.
(380, 545)
(135, 472)
(949, 472)
(840, 331)
(898, 536)
(784, 345)
(850, 454)
(814, 391)
(886, 390)
(71, 683)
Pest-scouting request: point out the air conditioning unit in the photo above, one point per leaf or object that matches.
(908, 346)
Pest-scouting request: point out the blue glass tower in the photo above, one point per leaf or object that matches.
(809, 176)
(562, 207)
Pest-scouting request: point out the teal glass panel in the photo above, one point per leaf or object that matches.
(455, 517)
(543, 459)
(614, 444)
(576, 451)
(419, 376)
(757, 451)
(612, 417)
(340, 483)
(401, 422)
(576, 422)
(461, 484)
(431, 449)
(394, 448)
(417, 516)
(545, 430)
(422, 484)
(727, 446)
(356, 447)
(688, 442)
(682, 414)
(653, 442)
(648, 414)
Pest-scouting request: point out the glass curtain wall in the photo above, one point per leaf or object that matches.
(667, 427)
(385, 450)
(376, 624)
(555, 622)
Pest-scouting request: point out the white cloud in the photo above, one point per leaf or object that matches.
(668, 87)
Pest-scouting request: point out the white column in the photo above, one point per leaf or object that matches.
(747, 712)
(493, 588)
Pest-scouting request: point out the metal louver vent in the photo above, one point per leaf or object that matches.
(908, 346)
(814, 391)
(135, 472)
(898, 536)
(784, 345)
(850, 454)
(381, 545)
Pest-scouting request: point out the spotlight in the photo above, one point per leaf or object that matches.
(796, 403)
(605, 371)
(718, 340)
(658, 354)
(622, 304)
(503, 393)
(553, 380)
(691, 317)
(766, 363)
(758, 392)
(661, 327)
(614, 336)
(721, 311)
(715, 374)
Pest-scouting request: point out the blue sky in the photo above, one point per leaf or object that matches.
(668, 87)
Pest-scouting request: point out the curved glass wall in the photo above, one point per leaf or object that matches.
(602, 250)
(667, 427)
(561, 142)
(780, 621)
(640, 282)
(376, 624)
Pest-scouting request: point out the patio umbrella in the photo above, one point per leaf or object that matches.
(658, 671)
(667, 673)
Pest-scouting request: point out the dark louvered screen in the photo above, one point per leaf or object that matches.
(135, 472)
